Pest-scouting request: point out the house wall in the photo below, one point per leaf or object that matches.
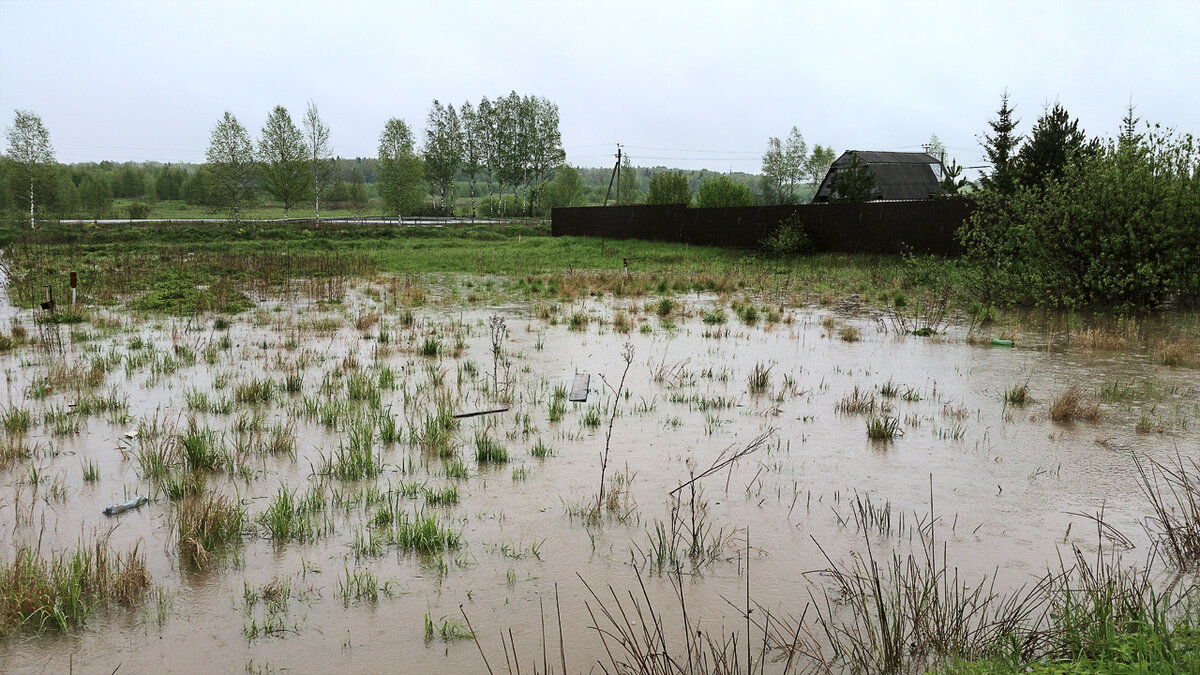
(928, 226)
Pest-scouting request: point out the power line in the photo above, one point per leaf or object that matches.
(720, 152)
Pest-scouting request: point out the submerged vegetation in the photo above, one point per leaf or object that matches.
(372, 433)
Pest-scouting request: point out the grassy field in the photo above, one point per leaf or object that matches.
(115, 261)
(177, 209)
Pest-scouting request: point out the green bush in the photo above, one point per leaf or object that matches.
(722, 191)
(1117, 229)
(139, 210)
(789, 238)
(670, 187)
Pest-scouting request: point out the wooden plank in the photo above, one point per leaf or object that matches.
(579, 388)
(480, 412)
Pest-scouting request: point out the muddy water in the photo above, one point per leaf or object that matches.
(1008, 485)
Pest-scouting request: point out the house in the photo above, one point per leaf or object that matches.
(897, 175)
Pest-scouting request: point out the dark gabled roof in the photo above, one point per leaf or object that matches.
(898, 175)
(878, 157)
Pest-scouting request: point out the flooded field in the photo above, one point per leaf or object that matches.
(316, 505)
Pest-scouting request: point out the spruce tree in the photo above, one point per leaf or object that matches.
(1001, 148)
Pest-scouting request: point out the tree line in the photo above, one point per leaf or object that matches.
(512, 143)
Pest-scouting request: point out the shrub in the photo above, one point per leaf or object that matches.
(139, 210)
(722, 191)
(789, 238)
(669, 188)
(1114, 228)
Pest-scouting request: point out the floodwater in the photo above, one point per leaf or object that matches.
(1011, 490)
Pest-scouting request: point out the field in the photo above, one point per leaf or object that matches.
(358, 454)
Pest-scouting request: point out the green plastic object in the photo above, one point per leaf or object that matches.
(997, 342)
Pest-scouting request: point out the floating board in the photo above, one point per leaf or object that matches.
(579, 388)
(480, 412)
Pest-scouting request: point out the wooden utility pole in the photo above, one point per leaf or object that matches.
(616, 175)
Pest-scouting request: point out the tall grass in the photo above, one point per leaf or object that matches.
(292, 518)
(60, 591)
(1073, 404)
(1173, 491)
(488, 450)
(208, 527)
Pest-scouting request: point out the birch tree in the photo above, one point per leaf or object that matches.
(545, 152)
(783, 167)
(319, 154)
(230, 165)
(472, 149)
(443, 151)
(400, 177)
(30, 152)
(487, 141)
(283, 158)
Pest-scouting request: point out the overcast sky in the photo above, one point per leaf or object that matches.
(688, 84)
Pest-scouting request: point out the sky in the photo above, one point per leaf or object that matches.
(688, 84)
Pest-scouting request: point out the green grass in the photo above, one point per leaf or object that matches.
(488, 450)
(16, 420)
(202, 448)
(884, 428)
(213, 261)
(292, 518)
(541, 450)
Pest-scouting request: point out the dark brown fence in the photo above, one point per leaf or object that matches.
(873, 227)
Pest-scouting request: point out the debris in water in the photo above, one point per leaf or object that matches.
(579, 388)
(134, 503)
(480, 412)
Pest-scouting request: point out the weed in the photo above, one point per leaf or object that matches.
(1072, 405)
(488, 450)
(591, 417)
(444, 496)
(201, 448)
(61, 591)
(1018, 394)
(256, 391)
(432, 347)
(857, 402)
(541, 450)
(446, 629)
(208, 527)
(16, 420)
(1173, 491)
(558, 408)
(456, 470)
(760, 378)
(884, 428)
(889, 389)
(421, 532)
(1177, 352)
(361, 584)
(289, 518)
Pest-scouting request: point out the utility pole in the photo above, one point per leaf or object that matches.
(616, 175)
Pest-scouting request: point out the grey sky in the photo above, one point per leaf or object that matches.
(688, 84)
